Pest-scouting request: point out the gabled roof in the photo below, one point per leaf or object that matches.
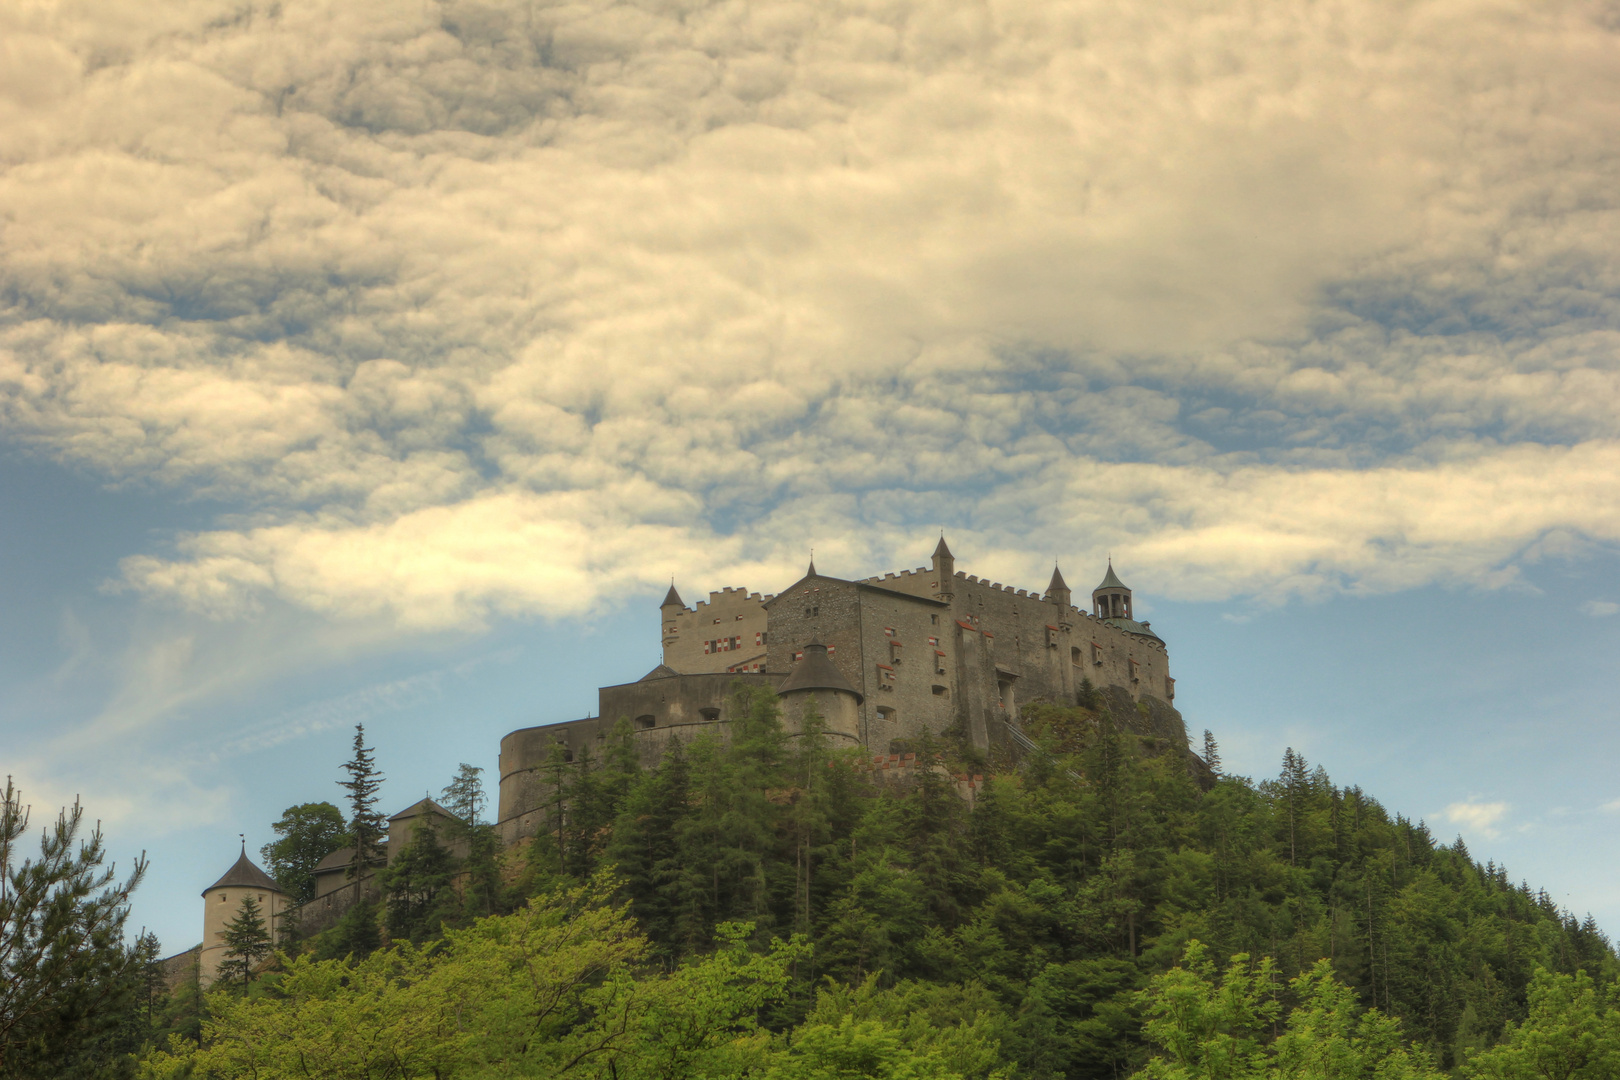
(672, 597)
(337, 860)
(244, 874)
(1111, 579)
(816, 672)
(420, 807)
(662, 671)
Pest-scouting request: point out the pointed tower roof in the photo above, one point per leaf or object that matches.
(1057, 581)
(244, 874)
(816, 672)
(941, 551)
(672, 597)
(1111, 579)
(420, 807)
(812, 571)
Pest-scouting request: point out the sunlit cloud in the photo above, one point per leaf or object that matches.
(1600, 609)
(477, 311)
(1478, 817)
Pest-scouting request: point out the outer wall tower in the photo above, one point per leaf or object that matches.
(221, 902)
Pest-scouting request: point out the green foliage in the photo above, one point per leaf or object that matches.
(1044, 932)
(1571, 1033)
(464, 795)
(71, 991)
(247, 942)
(417, 886)
(1220, 1028)
(308, 833)
(549, 991)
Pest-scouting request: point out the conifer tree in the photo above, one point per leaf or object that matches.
(1212, 752)
(464, 795)
(247, 941)
(367, 825)
(417, 885)
(66, 977)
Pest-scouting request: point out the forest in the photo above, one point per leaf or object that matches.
(758, 906)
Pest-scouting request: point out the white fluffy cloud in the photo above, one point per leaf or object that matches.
(477, 309)
(1478, 817)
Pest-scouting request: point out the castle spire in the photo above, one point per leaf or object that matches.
(1057, 590)
(812, 571)
(944, 571)
(672, 598)
(1112, 598)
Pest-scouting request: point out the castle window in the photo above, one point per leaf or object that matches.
(759, 636)
(940, 691)
(888, 631)
(885, 675)
(1169, 688)
(709, 715)
(1096, 654)
(1074, 656)
(886, 714)
(739, 618)
(797, 657)
(939, 662)
(1051, 636)
(1004, 694)
(894, 652)
(1136, 671)
(934, 641)
(646, 721)
(934, 619)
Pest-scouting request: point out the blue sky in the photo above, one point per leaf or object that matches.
(383, 361)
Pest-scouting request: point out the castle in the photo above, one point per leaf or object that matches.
(885, 659)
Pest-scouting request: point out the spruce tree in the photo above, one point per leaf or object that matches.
(464, 795)
(417, 885)
(1212, 752)
(247, 941)
(367, 825)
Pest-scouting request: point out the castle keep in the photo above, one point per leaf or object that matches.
(885, 658)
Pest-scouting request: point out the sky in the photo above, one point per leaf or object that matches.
(382, 361)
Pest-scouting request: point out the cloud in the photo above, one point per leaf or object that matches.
(1479, 817)
(1600, 609)
(469, 311)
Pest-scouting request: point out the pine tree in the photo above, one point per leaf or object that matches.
(464, 795)
(1212, 752)
(366, 824)
(66, 978)
(247, 941)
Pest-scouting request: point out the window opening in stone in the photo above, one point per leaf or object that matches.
(646, 720)
(886, 714)
(710, 715)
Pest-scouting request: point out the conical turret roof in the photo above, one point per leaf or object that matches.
(672, 597)
(1111, 580)
(816, 672)
(1057, 581)
(812, 571)
(941, 551)
(244, 874)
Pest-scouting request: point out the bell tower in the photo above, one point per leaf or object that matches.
(1111, 599)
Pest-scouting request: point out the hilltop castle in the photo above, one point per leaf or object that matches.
(886, 658)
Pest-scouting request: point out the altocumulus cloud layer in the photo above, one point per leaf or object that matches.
(481, 309)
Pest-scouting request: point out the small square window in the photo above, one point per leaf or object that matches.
(886, 714)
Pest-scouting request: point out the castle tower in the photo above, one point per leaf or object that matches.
(221, 902)
(1111, 599)
(944, 571)
(1057, 590)
(667, 611)
(816, 678)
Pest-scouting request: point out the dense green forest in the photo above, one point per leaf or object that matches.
(760, 907)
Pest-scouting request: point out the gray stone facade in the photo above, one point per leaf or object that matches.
(931, 649)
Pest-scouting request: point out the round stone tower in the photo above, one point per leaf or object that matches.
(816, 678)
(221, 902)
